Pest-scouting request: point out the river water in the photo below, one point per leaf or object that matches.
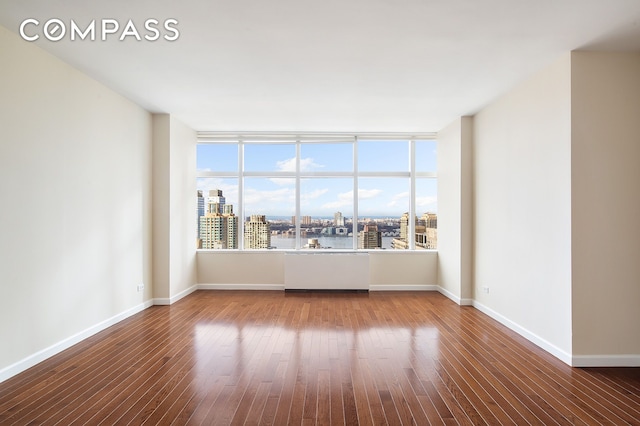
(325, 242)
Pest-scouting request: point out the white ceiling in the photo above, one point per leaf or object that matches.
(330, 65)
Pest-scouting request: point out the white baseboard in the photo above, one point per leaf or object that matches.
(532, 337)
(174, 299)
(455, 298)
(276, 287)
(605, 361)
(56, 348)
(403, 287)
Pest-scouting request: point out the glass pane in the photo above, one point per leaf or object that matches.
(325, 157)
(381, 202)
(217, 215)
(426, 156)
(267, 157)
(326, 208)
(217, 158)
(427, 211)
(269, 206)
(383, 156)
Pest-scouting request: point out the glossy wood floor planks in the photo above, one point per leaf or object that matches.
(260, 358)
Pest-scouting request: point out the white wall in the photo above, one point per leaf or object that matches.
(174, 209)
(244, 267)
(455, 210)
(522, 204)
(266, 269)
(75, 218)
(162, 206)
(184, 208)
(404, 270)
(605, 165)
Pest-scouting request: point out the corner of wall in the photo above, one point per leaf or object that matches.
(160, 189)
(605, 200)
(455, 220)
(466, 199)
(174, 207)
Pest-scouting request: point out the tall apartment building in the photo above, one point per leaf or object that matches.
(370, 237)
(427, 238)
(304, 220)
(430, 220)
(404, 227)
(257, 232)
(425, 235)
(402, 242)
(199, 214)
(219, 225)
(215, 202)
(338, 219)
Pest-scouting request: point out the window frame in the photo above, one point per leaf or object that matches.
(243, 139)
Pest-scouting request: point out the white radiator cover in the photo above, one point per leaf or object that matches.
(326, 271)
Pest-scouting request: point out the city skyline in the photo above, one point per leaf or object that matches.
(218, 229)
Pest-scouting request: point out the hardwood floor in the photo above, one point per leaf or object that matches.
(314, 358)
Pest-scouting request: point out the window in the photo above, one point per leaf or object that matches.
(310, 192)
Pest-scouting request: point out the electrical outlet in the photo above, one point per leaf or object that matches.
(485, 289)
(140, 287)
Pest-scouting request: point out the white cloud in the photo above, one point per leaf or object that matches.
(336, 204)
(426, 201)
(253, 197)
(346, 196)
(364, 194)
(400, 198)
(288, 165)
(283, 181)
(345, 199)
(308, 196)
(306, 165)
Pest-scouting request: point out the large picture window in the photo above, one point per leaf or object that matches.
(316, 192)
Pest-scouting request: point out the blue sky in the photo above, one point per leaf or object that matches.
(322, 196)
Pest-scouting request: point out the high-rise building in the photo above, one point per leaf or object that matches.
(404, 227)
(370, 237)
(425, 233)
(402, 243)
(216, 202)
(200, 204)
(338, 219)
(304, 220)
(430, 220)
(219, 225)
(200, 213)
(257, 232)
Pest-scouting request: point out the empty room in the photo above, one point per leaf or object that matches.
(294, 212)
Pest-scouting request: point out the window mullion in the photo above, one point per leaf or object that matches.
(354, 228)
(392, 180)
(298, 214)
(240, 195)
(412, 199)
